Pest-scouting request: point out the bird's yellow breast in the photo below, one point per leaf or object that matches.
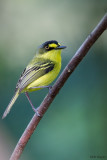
(50, 76)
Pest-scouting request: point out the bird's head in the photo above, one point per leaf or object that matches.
(50, 48)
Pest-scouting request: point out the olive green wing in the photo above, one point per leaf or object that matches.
(32, 73)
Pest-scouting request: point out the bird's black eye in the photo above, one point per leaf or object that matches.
(47, 47)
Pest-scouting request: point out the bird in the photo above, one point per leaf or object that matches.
(39, 73)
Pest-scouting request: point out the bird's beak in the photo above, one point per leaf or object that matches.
(60, 47)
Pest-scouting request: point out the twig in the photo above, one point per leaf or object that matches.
(81, 52)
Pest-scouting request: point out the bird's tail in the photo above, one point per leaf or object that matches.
(11, 104)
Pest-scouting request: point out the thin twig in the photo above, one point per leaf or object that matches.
(79, 55)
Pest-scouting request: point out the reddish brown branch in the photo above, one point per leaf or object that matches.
(81, 52)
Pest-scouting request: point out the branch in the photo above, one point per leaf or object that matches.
(79, 55)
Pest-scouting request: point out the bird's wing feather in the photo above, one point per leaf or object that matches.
(32, 73)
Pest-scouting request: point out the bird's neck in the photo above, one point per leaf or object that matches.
(53, 56)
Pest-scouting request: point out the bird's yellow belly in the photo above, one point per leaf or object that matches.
(45, 80)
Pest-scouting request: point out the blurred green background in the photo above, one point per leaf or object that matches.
(75, 126)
